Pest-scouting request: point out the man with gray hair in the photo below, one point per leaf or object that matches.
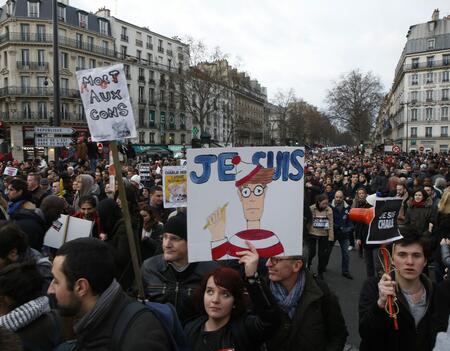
(439, 186)
(311, 315)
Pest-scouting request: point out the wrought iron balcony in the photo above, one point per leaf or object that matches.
(32, 66)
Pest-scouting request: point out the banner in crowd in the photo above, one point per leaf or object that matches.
(144, 172)
(244, 194)
(383, 228)
(67, 228)
(10, 171)
(174, 185)
(107, 103)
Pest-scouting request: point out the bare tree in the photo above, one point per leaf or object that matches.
(354, 102)
(284, 102)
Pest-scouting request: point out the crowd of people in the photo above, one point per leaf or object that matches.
(74, 298)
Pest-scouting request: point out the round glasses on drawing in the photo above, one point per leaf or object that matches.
(257, 191)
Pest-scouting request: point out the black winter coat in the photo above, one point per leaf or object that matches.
(33, 224)
(164, 284)
(376, 328)
(145, 332)
(244, 333)
(442, 309)
(317, 325)
(420, 217)
(45, 333)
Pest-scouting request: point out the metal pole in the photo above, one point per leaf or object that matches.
(56, 105)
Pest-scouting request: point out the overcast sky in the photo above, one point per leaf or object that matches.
(299, 44)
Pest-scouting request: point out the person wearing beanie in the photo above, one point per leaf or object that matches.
(169, 277)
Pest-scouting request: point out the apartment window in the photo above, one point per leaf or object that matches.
(79, 40)
(413, 132)
(163, 96)
(83, 20)
(183, 138)
(444, 131)
(413, 115)
(42, 110)
(90, 43)
(64, 112)
(429, 95)
(182, 121)
(141, 76)
(149, 42)
(81, 62)
(415, 79)
(430, 61)
(152, 75)
(151, 138)
(171, 138)
(25, 32)
(151, 118)
(139, 39)
(149, 58)
(104, 27)
(414, 97)
(151, 95)
(141, 117)
(80, 112)
(40, 29)
(92, 63)
(445, 76)
(139, 55)
(41, 57)
(33, 9)
(41, 85)
(444, 94)
(160, 46)
(141, 93)
(64, 60)
(428, 132)
(61, 13)
(26, 109)
(105, 46)
(429, 113)
(444, 113)
(169, 63)
(64, 85)
(25, 84)
(141, 137)
(123, 52)
(446, 59)
(126, 69)
(25, 57)
(123, 34)
(430, 44)
(430, 77)
(415, 63)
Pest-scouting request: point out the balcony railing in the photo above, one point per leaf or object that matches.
(152, 103)
(70, 93)
(149, 46)
(139, 42)
(141, 79)
(32, 66)
(428, 64)
(37, 91)
(161, 49)
(142, 101)
(124, 37)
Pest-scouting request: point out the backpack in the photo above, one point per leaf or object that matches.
(166, 315)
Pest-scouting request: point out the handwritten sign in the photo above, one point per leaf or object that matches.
(10, 171)
(174, 185)
(67, 228)
(245, 194)
(107, 103)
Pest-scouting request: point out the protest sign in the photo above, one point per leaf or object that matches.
(239, 194)
(383, 228)
(174, 185)
(10, 171)
(144, 172)
(67, 228)
(107, 103)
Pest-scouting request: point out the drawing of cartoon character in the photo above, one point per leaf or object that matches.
(251, 190)
(177, 192)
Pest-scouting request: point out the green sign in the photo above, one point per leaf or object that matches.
(194, 131)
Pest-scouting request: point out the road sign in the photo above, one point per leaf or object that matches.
(53, 142)
(396, 149)
(53, 130)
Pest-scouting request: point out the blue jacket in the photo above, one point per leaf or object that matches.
(341, 221)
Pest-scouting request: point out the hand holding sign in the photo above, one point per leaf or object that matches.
(386, 287)
(216, 223)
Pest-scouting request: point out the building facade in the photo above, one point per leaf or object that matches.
(26, 56)
(151, 62)
(416, 110)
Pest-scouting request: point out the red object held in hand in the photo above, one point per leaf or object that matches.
(362, 215)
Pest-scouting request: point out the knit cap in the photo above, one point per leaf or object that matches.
(177, 225)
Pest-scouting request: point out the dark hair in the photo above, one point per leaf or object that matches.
(153, 217)
(9, 341)
(423, 192)
(109, 213)
(229, 279)
(19, 184)
(412, 236)
(320, 198)
(155, 188)
(21, 282)
(11, 237)
(90, 259)
(90, 199)
(37, 177)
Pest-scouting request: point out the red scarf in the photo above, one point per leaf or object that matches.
(414, 203)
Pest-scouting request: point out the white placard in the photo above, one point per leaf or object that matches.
(238, 194)
(10, 171)
(107, 103)
(174, 186)
(67, 228)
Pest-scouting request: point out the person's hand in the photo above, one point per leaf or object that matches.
(443, 242)
(308, 185)
(216, 224)
(359, 242)
(430, 227)
(103, 236)
(386, 287)
(249, 259)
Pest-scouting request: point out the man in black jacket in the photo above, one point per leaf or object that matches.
(312, 318)
(85, 288)
(413, 293)
(169, 277)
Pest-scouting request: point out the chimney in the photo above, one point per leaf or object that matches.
(103, 12)
(435, 15)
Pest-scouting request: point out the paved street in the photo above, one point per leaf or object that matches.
(346, 290)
